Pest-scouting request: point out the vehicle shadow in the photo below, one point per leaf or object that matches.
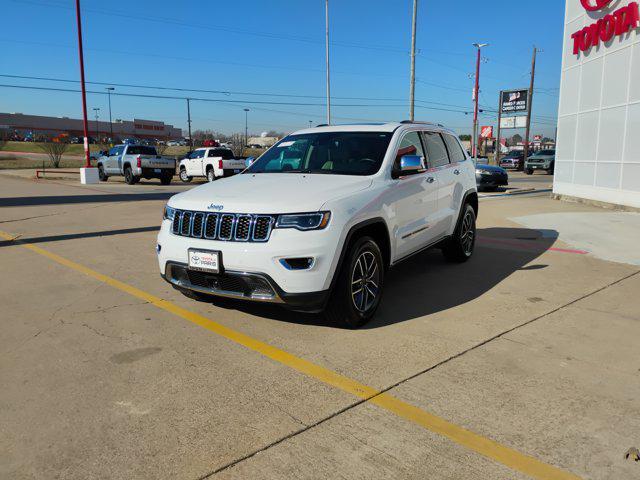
(427, 284)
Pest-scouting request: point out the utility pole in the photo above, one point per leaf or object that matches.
(476, 97)
(109, 90)
(85, 122)
(326, 6)
(531, 85)
(412, 88)
(246, 127)
(497, 152)
(189, 122)
(96, 110)
(310, 123)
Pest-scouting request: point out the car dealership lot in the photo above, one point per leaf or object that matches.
(110, 373)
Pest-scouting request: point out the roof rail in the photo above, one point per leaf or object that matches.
(322, 125)
(409, 122)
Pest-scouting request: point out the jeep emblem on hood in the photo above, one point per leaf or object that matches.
(215, 207)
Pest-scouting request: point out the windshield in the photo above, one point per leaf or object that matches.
(334, 153)
(141, 150)
(545, 152)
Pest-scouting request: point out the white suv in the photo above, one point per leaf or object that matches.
(315, 223)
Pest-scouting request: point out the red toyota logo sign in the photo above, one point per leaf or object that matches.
(594, 5)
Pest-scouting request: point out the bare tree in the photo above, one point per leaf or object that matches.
(4, 137)
(161, 148)
(54, 150)
(238, 144)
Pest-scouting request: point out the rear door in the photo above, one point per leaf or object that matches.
(462, 177)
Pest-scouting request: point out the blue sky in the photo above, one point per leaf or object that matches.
(277, 47)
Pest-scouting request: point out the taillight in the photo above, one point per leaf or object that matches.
(220, 165)
(139, 162)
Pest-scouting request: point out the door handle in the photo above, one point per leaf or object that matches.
(456, 172)
(431, 180)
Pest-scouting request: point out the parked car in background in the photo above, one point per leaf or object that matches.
(513, 159)
(173, 143)
(130, 141)
(490, 177)
(212, 163)
(316, 222)
(542, 160)
(135, 162)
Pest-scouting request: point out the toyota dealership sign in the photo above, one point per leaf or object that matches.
(617, 23)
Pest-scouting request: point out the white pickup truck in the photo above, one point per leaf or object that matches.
(135, 162)
(213, 163)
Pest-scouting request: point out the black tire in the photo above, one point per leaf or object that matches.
(184, 177)
(359, 287)
(129, 177)
(459, 248)
(529, 171)
(211, 175)
(550, 171)
(101, 174)
(166, 179)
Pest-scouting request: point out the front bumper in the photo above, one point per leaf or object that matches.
(537, 166)
(242, 286)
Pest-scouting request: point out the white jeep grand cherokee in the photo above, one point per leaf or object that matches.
(315, 223)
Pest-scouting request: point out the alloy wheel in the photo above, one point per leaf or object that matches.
(365, 281)
(467, 234)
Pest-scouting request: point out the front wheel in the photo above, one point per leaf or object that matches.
(359, 286)
(184, 177)
(101, 174)
(460, 247)
(529, 171)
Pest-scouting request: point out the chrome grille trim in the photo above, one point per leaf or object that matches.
(239, 227)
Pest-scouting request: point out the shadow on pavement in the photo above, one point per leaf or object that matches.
(426, 284)
(74, 236)
(75, 199)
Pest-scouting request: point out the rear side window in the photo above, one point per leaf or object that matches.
(436, 150)
(141, 150)
(222, 152)
(456, 154)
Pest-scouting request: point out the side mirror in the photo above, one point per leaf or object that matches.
(409, 165)
(248, 161)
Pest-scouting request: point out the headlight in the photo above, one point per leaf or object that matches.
(169, 213)
(482, 172)
(304, 221)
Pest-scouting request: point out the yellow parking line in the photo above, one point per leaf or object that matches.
(482, 445)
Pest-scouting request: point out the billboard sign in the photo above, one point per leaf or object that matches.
(514, 101)
(513, 122)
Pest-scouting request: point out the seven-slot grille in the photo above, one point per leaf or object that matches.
(228, 227)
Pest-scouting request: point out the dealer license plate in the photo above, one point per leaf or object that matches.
(536, 166)
(236, 171)
(204, 260)
(157, 170)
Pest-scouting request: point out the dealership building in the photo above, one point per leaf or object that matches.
(53, 126)
(598, 147)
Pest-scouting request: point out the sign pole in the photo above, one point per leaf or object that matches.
(497, 155)
(528, 130)
(412, 89)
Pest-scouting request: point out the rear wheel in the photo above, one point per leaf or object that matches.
(129, 177)
(101, 174)
(359, 286)
(460, 247)
(184, 177)
(166, 179)
(211, 175)
(529, 171)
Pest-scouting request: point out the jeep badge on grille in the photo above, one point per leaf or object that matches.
(217, 208)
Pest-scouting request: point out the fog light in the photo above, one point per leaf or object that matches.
(297, 263)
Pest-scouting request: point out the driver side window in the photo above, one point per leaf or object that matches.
(410, 145)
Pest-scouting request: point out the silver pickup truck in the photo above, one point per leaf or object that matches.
(135, 162)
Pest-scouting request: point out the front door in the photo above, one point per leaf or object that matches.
(414, 201)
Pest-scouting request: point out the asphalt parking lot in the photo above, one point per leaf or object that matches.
(522, 363)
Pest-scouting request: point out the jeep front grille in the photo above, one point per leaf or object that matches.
(227, 227)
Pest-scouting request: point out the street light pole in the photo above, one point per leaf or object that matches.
(310, 123)
(109, 90)
(531, 86)
(326, 4)
(96, 109)
(85, 122)
(476, 97)
(412, 88)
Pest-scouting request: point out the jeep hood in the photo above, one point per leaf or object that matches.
(269, 193)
